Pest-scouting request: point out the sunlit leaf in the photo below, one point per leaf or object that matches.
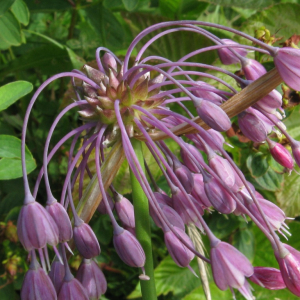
(21, 11)
(10, 30)
(13, 91)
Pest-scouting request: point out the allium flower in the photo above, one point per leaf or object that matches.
(123, 106)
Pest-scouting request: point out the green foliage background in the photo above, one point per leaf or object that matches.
(42, 38)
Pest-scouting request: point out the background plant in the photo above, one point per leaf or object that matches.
(39, 39)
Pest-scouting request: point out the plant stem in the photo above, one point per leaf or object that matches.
(142, 225)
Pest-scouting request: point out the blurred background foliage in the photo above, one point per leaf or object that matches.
(39, 38)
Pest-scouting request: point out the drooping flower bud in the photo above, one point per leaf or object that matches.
(252, 69)
(281, 154)
(270, 102)
(86, 241)
(269, 278)
(229, 266)
(228, 57)
(163, 198)
(180, 254)
(187, 159)
(289, 264)
(36, 227)
(62, 220)
(252, 127)
(217, 195)
(170, 214)
(199, 192)
(72, 289)
(287, 64)
(212, 115)
(129, 249)
(125, 211)
(92, 279)
(184, 175)
(296, 151)
(57, 274)
(203, 91)
(37, 284)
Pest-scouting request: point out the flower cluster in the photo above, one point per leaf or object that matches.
(122, 105)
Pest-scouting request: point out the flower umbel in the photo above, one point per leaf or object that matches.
(121, 107)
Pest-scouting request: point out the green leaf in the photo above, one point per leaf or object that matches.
(48, 6)
(281, 19)
(169, 8)
(13, 91)
(10, 30)
(289, 195)
(130, 5)
(243, 240)
(198, 294)
(292, 122)
(5, 5)
(255, 4)
(270, 181)
(10, 164)
(257, 164)
(21, 11)
(171, 278)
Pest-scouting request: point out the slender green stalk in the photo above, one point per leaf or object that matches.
(142, 225)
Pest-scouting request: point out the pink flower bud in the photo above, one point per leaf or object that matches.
(129, 249)
(37, 284)
(62, 220)
(281, 154)
(187, 159)
(296, 151)
(212, 115)
(57, 274)
(203, 91)
(252, 69)
(287, 62)
(92, 279)
(289, 264)
(199, 192)
(218, 196)
(269, 278)
(180, 254)
(36, 227)
(252, 127)
(86, 241)
(125, 211)
(184, 175)
(72, 289)
(163, 198)
(270, 102)
(229, 266)
(109, 62)
(226, 56)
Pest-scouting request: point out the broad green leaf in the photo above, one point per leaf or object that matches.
(198, 294)
(10, 164)
(130, 5)
(270, 181)
(169, 8)
(10, 30)
(169, 278)
(21, 11)
(292, 122)
(281, 19)
(257, 164)
(243, 240)
(5, 5)
(289, 195)
(13, 91)
(255, 4)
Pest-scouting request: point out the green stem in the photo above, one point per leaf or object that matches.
(142, 225)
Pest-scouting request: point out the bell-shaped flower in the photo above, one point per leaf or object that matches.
(37, 285)
(72, 289)
(227, 56)
(129, 249)
(220, 199)
(36, 227)
(86, 241)
(212, 115)
(125, 211)
(62, 220)
(287, 62)
(194, 152)
(92, 279)
(229, 266)
(184, 175)
(199, 192)
(180, 253)
(289, 264)
(269, 278)
(57, 273)
(281, 154)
